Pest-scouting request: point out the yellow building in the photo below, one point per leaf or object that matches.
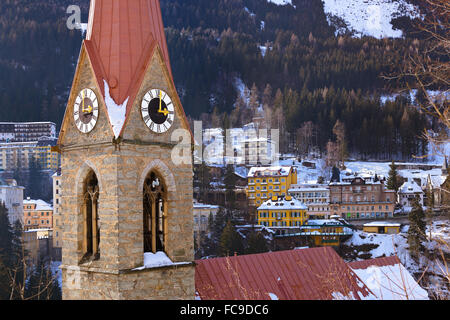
(325, 232)
(267, 182)
(282, 212)
(47, 158)
(382, 227)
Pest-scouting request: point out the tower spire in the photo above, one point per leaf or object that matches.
(121, 36)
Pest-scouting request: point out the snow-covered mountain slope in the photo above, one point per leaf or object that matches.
(281, 2)
(370, 17)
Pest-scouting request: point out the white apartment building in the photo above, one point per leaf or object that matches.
(316, 197)
(26, 131)
(202, 212)
(12, 196)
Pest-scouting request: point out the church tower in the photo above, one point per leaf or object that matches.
(126, 194)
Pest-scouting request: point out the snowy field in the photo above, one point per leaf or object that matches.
(370, 17)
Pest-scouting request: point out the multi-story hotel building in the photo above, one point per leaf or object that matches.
(282, 212)
(38, 214)
(20, 154)
(264, 183)
(26, 131)
(361, 200)
(316, 197)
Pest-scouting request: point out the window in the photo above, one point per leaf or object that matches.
(91, 230)
(154, 214)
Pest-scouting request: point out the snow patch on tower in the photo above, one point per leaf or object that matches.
(116, 113)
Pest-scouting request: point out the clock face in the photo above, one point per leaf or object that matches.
(85, 111)
(158, 111)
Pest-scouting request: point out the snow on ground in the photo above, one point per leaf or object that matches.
(370, 17)
(387, 245)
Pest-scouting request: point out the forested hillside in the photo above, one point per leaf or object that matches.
(290, 56)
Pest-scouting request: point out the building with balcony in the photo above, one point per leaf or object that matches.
(316, 197)
(264, 183)
(38, 214)
(282, 212)
(20, 154)
(26, 131)
(359, 199)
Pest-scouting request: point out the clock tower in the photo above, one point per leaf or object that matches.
(126, 195)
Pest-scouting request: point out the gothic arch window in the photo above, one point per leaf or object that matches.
(89, 209)
(155, 209)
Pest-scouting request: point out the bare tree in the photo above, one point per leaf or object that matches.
(339, 132)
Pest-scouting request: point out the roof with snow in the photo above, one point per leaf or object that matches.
(41, 205)
(388, 279)
(283, 204)
(204, 206)
(308, 274)
(410, 186)
(382, 224)
(269, 171)
(436, 181)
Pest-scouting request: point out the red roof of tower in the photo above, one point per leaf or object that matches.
(121, 35)
(121, 38)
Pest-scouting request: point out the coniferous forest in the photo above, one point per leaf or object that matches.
(295, 63)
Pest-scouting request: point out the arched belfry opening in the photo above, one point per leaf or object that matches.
(89, 210)
(155, 212)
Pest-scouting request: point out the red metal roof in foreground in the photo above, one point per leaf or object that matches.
(379, 262)
(308, 274)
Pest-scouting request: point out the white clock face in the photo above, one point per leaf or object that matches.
(85, 111)
(158, 111)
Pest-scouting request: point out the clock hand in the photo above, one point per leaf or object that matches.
(165, 112)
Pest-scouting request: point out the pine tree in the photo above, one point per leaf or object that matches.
(336, 175)
(256, 243)
(35, 180)
(230, 241)
(202, 179)
(42, 284)
(417, 229)
(11, 264)
(393, 182)
(230, 185)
